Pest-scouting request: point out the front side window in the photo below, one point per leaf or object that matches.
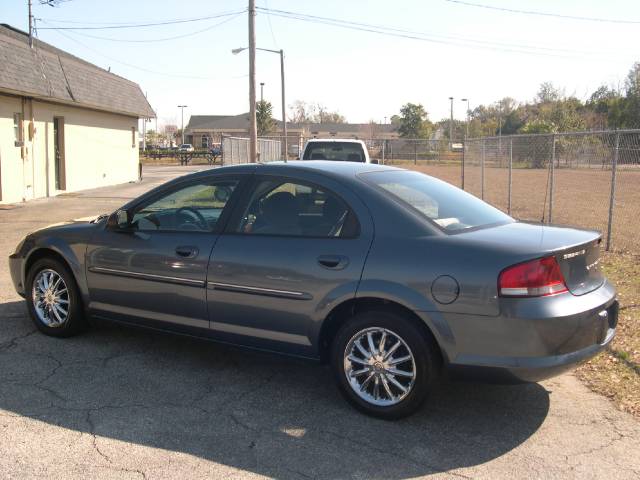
(337, 151)
(451, 209)
(195, 208)
(280, 207)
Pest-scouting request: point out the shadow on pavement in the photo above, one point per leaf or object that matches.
(260, 413)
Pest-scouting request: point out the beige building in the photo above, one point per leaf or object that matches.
(65, 124)
(202, 130)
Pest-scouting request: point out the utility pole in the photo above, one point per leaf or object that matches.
(261, 92)
(182, 107)
(30, 26)
(451, 125)
(467, 116)
(253, 133)
(284, 113)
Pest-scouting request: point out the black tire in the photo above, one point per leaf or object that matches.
(421, 344)
(75, 321)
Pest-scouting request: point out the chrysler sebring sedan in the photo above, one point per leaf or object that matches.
(390, 276)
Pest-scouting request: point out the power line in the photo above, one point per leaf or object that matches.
(175, 37)
(428, 37)
(545, 14)
(273, 37)
(164, 74)
(142, 25)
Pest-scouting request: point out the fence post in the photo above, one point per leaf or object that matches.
(612, 196)
(552, 175)
(464, 152)
(415, 152)
(510, 175)
(384, 143)
(484, 142)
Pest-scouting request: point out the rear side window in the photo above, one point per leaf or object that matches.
(337, 151)
(280, 207)
(449, 208)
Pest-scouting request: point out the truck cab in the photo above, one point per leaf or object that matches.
(340, 150)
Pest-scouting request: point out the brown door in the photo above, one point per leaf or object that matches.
(58, 145)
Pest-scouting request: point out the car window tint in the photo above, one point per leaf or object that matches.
(337, 151)
(196, 207)
(450, 208)
(295, 209)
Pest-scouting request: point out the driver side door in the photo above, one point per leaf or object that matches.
(154, 270)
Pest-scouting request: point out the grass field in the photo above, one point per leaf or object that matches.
(615, 373)
(581, 198)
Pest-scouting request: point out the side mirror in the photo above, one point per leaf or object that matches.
(374, 160)
(119, 220)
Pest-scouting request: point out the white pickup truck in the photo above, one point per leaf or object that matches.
(340, 150)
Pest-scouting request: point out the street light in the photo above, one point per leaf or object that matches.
(468, 113)
(182, 107)
(280, 52)
(261, 92)
(451, 125)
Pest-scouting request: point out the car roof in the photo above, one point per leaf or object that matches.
(341, 140)
(326, 167)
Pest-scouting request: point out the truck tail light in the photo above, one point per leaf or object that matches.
(536, 278)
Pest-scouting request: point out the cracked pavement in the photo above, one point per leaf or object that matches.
(123, 403)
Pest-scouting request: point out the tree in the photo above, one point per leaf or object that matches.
(537, 126)
(325, 116)
(264, 118)
(631, 107)
(301, 112)
(548, 93)
(305, 112)
(414, 121)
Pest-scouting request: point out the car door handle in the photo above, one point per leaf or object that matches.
(187, 251)
(333, 262)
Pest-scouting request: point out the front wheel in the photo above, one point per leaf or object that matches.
(53, 299)
(384, 365)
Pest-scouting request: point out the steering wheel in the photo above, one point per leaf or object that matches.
(194, 215)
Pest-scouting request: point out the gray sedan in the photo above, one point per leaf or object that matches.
(390, 276)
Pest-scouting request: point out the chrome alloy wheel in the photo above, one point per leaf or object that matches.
(50, 298)
(379, 366)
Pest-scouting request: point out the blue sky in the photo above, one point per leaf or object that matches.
(364, 76)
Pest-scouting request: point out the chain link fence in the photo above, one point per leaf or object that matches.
(235, 150)
(587, 179)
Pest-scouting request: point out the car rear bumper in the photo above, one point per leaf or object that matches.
(534, 338)
(518, 370)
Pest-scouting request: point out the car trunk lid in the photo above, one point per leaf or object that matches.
(580, 267)
(577, 251)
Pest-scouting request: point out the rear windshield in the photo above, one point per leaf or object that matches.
(449, 208)
(342, 152)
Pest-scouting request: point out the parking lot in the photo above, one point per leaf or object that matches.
(124, 403)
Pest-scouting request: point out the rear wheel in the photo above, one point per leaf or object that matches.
(53, 299)
(384, 364)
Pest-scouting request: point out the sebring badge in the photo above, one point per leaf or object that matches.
(573, 254)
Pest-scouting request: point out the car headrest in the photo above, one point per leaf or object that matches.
(281, 209)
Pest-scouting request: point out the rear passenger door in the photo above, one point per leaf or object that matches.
(294, 249)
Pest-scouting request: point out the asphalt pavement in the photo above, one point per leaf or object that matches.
(118, 403)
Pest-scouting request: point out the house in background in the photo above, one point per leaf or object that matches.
(202, 130)
(65, 124)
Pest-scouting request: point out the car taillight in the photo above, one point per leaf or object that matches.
(532, 279)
